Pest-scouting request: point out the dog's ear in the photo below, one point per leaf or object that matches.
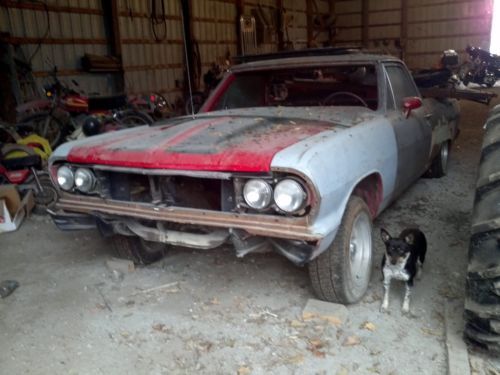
(385, 235)
(410, 239)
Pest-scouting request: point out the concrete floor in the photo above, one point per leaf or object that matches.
(72, 315)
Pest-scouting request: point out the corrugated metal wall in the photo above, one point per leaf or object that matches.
(434, 26)
(151, 65)
(426, 29)
(76, 27)
(158, 66)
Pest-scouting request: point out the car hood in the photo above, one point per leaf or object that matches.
(235, 140)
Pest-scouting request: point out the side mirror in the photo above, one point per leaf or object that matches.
(411, 103)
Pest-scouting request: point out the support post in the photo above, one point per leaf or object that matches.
(280, 25)
(404, 28)
(365, 17)
(331, 32)
(309, 17)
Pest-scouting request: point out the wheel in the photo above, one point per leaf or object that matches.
(46, 198)
(138, 250)
(342, 273)
(46, 126)
(130, 118)
(482, 303)
(439, 165)
(194, 103)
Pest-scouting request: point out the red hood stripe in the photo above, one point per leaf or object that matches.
(244, 144)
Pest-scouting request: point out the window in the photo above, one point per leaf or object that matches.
(401, 83)
(246, 91)
(334, 85)
(390, 98)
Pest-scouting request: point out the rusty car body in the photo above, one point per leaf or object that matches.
(300, 153)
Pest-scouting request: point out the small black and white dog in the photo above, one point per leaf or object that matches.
(403, 260)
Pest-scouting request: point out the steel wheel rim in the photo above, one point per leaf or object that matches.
(444, 156)
(360, 253)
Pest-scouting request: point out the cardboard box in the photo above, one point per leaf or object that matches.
(12, 209)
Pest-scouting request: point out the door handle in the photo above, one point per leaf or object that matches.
(428, 116)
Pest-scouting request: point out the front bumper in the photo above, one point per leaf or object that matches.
(259, 225)
(72, 221)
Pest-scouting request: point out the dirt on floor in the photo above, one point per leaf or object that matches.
(216, 314)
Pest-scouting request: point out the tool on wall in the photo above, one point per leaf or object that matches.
(248, 35)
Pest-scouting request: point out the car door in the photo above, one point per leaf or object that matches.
(413, 132)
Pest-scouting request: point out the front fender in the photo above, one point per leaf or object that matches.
(335, 161)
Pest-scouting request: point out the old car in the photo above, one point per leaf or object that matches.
(298, 153)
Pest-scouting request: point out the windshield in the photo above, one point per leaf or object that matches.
(344, 85)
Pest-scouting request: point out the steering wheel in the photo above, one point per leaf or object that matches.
(344, 93)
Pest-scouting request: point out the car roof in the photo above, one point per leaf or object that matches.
(352, 58)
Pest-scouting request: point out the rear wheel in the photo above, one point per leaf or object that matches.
(138, 250)
(342, 273)
(482, 304)
(439, 166)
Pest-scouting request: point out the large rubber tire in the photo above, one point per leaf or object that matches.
(138, 250)
(439, 166)
(333, 275)
(482, 304)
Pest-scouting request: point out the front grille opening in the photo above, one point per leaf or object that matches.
(179, 191)
(182, 191)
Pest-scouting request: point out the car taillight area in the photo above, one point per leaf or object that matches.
(277, 195)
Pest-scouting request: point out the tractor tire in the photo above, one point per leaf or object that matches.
(482, 304)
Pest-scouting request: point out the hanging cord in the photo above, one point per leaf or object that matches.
(47, 29)
(157, 20)
(188, 72)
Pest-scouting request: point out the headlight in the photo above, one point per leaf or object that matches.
(84, 180)
(289, 196)
(65, 178)
(257, 194)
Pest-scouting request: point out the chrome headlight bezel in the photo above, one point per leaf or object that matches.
(85, 180)
(258, 194)
(65, 178)
(290, 196)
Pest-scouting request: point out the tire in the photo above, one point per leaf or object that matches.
(194, 103)
(138, 250)
(334, 274)
(482, 303)
(439, 166)
(47, 126)
(130, 118)
(47, 198)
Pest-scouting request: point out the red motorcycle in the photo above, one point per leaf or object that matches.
(25, 169)
(65, 110)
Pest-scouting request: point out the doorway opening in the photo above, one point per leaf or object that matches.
(495, 28)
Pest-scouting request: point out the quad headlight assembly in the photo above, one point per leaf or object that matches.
(287, 196)
(81, 179)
